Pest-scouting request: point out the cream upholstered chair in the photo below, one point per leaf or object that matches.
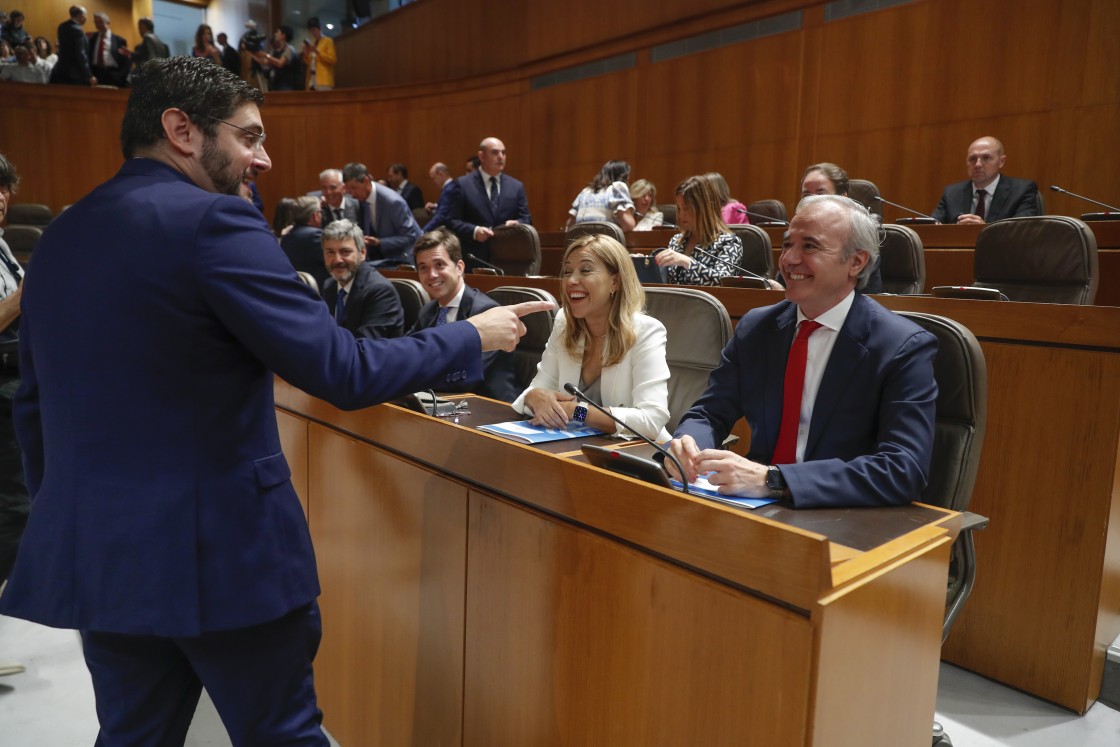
(538, 328)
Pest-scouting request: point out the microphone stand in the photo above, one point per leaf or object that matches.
(903, 207)
(573, 390)
(484, 263)
(1056, 188)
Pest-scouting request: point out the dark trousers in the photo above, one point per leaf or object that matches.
(13, 490)
(147, 687)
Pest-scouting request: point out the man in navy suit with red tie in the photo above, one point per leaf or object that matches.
(838, 391)
(988, 195)
(164, 525)
(487, 198)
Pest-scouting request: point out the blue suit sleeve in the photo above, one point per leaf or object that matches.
(404, 232)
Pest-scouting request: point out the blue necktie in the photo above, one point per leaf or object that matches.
(494, 196)
(340, 306)
(441, 318)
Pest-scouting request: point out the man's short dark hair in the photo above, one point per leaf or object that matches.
(147, 24)
(399, 168)
(287, 32)
(313, 23)
(353, 171)
(8, 176)
(438, 237)
(16, 16)
(475, 161)
(193, 84)
(76, 10)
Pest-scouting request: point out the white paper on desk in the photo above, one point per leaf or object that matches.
(704, 488)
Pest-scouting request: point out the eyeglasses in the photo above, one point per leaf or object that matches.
(258, 137)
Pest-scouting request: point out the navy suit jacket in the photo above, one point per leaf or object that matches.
(871, 435)
(1013, 198)
(447, 197)
(304, 247)
(499, 377)
(161, 500)
(72, 67)
(393, 224)
(373, 308)
(471, 208)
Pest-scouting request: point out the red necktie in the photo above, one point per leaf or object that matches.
(101, 51)
(980, 204)
(786, 451)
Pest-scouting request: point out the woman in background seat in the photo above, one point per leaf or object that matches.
(644, 194)
(606, 198)
(705, 250)
(731, 210)
(603, 342)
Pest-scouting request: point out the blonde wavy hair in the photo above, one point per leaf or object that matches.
(627, 301)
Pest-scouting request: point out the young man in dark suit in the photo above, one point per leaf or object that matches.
(439, 265)
(487, 198)
(165, 527)
(987, 195)
(838, 391)
(397, 177)
(358, 296)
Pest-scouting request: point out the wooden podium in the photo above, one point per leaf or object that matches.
(481, 592)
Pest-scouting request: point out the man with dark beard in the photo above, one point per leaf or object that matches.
(164, 525)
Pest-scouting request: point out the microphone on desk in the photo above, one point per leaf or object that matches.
(486, 264)
(737, 268)
(573, 390)
(877, 198)
(664, 223)
(1056, 188)
(762, 218)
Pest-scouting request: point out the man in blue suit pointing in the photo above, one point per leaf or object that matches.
(164, 526)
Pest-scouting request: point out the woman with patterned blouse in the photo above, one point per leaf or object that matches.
(705, 250)
(606, 198)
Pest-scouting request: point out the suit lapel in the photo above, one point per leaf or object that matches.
(847, 356)
(998, 204)
(965, 206)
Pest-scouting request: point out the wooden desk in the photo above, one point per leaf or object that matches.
(949, 253)
(1047, 598)
(481, 592)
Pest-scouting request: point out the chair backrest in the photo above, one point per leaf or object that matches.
(29, 214)
(902, 262)
(413, 297)
(774, 209)
(757, 254)
(962, 406)
(697, 327)
(864, 192)
(516, 249)
(1044, 259)
(538, 327)
(669, 212)
(602, 228)
(308, 280)
(22, 239)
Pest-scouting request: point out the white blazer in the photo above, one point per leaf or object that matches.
(635, 390)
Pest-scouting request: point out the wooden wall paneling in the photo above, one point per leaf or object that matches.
(1045, 546)
(390, 539)
(293, 441)
(568, 631)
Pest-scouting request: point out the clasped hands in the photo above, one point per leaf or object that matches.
(731, 473)
(550, 409)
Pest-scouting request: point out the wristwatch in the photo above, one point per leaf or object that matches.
(775, 482)
(579, 415)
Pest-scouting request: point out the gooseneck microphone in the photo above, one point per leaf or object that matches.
(1056, 188)
(877, 198)
(484, 263)
(737, 268)
(664, 223)
(763, 218)
(573, 390)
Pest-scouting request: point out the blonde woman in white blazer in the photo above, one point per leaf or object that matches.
(603, 343)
